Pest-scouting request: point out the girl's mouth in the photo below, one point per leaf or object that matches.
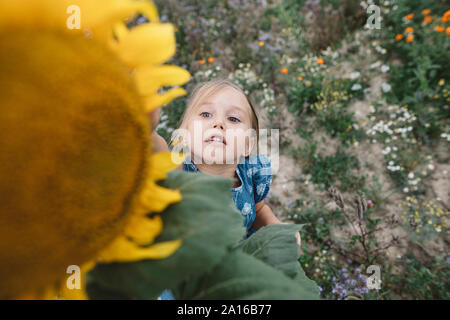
(216, 139)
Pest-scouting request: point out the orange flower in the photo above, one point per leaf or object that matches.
(300, 78)
(409, 38)
(261, 43)
(202, 61)
(446, 16)
(426, 11)
(409, 30)
(210, 59)
(320, 61)
(398, 37)
(447, 31)
(439, 29)
(427, 19)
(284, 71)
(409, 16)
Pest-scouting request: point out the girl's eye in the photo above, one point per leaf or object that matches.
(234, 119)
(205, 114)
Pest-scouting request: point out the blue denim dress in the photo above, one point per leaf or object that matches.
(255, 175)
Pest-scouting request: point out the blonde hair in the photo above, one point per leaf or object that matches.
(205, 89)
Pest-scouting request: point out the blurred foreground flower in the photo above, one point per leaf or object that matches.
(77, 177)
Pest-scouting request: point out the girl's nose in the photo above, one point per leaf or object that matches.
(219, 124)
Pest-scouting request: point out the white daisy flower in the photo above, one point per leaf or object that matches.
(386, 87)
(384, 68)
(354, 75)
(356, 86)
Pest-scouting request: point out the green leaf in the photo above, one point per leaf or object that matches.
(277, 246)
(242, 276)
(207, 221)
(264, 266)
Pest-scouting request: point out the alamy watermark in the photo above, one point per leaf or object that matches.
(74, 20)
(373, 282)
(74, 280)
(374, 20)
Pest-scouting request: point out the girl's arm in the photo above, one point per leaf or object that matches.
(264, 216)
(158, 142)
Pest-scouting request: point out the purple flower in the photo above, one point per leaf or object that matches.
(264, 36)
(349, 280)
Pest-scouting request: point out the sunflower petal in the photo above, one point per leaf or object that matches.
(150, 79)
(147, 44)
(163, 162)
(101, 22)
(156, 198)
(120, 30)
(123, 250)
(143, 230)
(154, 101)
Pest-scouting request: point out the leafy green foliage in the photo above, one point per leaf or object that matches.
(339, 123)
(212, 263)
(275, 245)
(328, 170)
(424, 63)
(264, 266)
(241, 276)
(206, 226)
(302, 94)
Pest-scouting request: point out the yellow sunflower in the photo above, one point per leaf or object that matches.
(77, 177)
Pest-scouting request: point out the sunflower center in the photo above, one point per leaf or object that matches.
(74, 142)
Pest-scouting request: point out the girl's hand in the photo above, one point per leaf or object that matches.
(297, 235)
(299, 239)
(158, 142)
(155, 117)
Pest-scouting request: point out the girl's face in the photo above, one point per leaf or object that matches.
(220, 128)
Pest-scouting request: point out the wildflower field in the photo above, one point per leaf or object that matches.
(91, 208)
(362, 105)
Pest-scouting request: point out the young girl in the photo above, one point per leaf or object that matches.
(219, 129)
